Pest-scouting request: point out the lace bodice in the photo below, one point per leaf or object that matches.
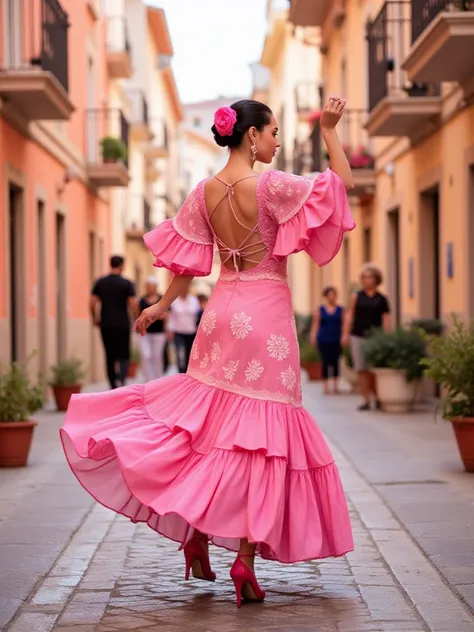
(295, 213)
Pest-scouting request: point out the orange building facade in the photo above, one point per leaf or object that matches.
(406, 68)
(54, 218)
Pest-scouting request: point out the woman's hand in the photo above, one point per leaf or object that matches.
(148, 316)
(332, 112)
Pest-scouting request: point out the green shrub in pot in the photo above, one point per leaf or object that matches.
(113, 149)
(451, 364)
(19, 399)
(401, 350)
(430, 326)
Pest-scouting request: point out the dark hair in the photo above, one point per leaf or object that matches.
(116, 261)
(249, 114)
(327, 290)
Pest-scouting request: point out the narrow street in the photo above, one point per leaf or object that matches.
(71, 565)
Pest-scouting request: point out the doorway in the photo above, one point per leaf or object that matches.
(430, 268)
(16, 249)
(60, 287)
(41, 290)
(470, 250)
(393, 280)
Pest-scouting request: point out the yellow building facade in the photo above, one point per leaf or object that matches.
(403, 67)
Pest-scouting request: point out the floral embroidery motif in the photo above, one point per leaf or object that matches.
(190, 222)
(278, 347)
(208, 322)
(288, 378)
(230, 369)
(204, 361)
(215, 351)
(253, 371)
(240, 325)
(195, 351)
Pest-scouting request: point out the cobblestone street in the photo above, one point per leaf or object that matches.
(71, 565)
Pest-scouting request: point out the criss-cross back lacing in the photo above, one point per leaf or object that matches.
(245, 251)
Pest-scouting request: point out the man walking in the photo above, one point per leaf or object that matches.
(112, 298)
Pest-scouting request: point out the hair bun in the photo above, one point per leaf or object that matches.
(222, 141)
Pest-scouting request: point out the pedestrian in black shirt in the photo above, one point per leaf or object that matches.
(112, 298)
(368, 309)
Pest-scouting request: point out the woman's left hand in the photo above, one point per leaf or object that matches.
(147, 317)
(332, 112)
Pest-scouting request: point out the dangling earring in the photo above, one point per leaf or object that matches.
(253, 151)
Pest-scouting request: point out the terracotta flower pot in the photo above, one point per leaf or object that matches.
(15, 442)
(313, 369)
(62, 394)
(132, 369)
(464, 432)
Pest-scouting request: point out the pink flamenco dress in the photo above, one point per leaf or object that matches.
(227, 448)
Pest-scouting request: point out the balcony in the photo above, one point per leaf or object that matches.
(396, 107)
(139, 124)
(158, 146)
(307, 98)
(119, 56)
(442, 34)
(309, 12)
(34, 61)
(107, 148)
(358, 148)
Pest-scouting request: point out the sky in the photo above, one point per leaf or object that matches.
(214, 43)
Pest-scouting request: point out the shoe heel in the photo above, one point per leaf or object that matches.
(238, 585)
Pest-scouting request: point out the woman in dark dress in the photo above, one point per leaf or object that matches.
(368, 310)
(326, 332)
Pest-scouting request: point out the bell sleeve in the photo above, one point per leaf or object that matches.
(184, 244)
(312, 214)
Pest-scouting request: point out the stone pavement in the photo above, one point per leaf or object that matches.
(69, 565)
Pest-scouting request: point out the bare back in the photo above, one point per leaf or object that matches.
(233, 213)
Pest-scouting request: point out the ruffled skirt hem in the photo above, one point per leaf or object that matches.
(181, 470)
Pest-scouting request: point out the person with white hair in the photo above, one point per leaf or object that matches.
(152, 344)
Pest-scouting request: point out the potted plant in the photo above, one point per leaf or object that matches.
(19, 399)
(134, 362)
(113, 149)
(309, 359)
(450, 363)
(395, 358)
(361, 158)
(66, 380)
(430, 326)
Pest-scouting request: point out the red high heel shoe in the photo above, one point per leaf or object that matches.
(197, 560)
(245, 582)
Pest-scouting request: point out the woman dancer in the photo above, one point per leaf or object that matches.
(225, 453)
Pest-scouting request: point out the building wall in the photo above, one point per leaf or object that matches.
(37, 165)
(407, 176)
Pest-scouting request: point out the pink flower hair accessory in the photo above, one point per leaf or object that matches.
(224, 120)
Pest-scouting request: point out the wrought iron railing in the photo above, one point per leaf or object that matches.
(356, 141)
(160, 133)
(117, 35)
(308, 97)
(316, 148)
(139, 106)
(424, 12)
(36, 37)
(146, 215)
(107, 127)
(389, 42)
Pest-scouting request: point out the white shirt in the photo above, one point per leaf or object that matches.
(183, 315)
